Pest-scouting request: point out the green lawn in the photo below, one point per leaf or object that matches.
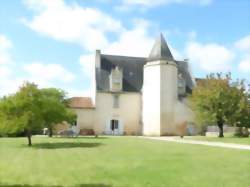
(244, 141)
(119, 161)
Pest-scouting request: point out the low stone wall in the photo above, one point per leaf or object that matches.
(213, 130)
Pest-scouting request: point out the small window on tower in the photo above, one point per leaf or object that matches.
(116, 101)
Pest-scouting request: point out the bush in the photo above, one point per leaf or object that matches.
(86, 132)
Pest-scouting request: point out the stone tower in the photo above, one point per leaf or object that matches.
(159, 91)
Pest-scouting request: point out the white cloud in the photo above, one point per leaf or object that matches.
(244, 65)
(13, 75)
(88, 64)
(5, 45)
(210, 57)
(134, 42)
(5, 71)
(149, 3)
(72, 23)
(244, 43)
(243, 46)
(44, 74)
(8, 83)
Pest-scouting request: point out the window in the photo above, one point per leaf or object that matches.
(115, 79)
(116, 101)
(113, 124)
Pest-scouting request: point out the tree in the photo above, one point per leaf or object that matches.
(21, 111)
(244, 119)
(54, 108)
(217, 100)
(31, 109)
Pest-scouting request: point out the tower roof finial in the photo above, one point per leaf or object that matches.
(160, 50)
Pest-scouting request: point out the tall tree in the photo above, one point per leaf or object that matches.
(21, 111)
(54, 108)
(217, 100)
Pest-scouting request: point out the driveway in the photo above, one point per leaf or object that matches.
(198, 142)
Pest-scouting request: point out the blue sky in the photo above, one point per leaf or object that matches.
(52, 42)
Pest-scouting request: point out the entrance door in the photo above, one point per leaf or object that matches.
(114, 126)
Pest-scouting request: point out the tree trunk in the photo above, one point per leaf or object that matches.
(29, 138)
(220, 125)
(50, 132)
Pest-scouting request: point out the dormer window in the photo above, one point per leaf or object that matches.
(115, 79)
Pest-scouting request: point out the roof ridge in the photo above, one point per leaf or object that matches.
(123, 56)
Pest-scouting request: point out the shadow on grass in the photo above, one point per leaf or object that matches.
(37, 185)
(64, 145)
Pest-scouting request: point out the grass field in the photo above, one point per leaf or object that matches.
(119, 161)
(244, 141)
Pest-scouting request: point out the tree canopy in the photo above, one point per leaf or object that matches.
(218, 100)
(31, 109)
(53, 108)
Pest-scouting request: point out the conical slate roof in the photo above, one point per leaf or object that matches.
(160, 50)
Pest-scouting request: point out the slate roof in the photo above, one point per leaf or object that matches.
(81, 102)
(132, 68)
(132, 72)
(183, 69)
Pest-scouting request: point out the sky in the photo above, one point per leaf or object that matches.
(52, 42)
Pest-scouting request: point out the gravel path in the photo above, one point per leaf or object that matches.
(199, 142)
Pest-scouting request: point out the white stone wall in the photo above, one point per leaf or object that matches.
(168, 98)
(85, 118)
(128, 113)
(184, 116)
(151, 100)
(183, 113)
(159, 98)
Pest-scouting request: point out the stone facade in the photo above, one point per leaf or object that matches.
(138, 96)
